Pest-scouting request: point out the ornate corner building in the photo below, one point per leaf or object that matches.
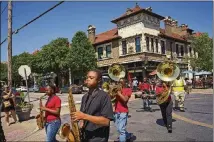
(140, 44)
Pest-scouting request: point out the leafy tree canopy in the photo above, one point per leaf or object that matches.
(81, 57)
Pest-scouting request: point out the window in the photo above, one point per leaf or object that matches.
(177, 50)
(137, 44)
(162, 47)
(182, 50)
(100, 52)
(156, 43)
(124, 47)
(108, 51)
(152, 44)
(147, 43)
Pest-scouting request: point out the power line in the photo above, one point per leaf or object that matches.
(16, 31)
(3, 9)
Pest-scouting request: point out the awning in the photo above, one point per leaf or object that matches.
(153, 72)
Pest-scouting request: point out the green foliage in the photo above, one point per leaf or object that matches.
(3, 72)
(203, 45)
(52, 57)
(18, 60)
(81, 57)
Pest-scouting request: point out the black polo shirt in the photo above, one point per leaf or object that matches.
(98, 103)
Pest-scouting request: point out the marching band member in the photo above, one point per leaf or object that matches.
(121, 111)
(96, 111)
(145, 88)
(178, 88)
(52, 110)
(165, 106)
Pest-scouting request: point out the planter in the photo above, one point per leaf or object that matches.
(23, 112)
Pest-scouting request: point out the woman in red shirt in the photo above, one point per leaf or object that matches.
(52, 114)
(165, 106)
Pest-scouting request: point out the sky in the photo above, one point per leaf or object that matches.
(70, 17)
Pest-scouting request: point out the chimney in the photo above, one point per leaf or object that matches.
(168, 24)
(91, 33)
(184, 27)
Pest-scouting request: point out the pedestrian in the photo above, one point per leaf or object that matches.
(8, 105)
(121, 111)
(52, 110)
(96, 111)
(134, 84)
(178, 89)
(163, 91)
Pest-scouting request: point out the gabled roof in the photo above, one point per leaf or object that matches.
(137, 10)
(171, 35)
(106, 36)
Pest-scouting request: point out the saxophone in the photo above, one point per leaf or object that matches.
(72, 134)
(40, 117)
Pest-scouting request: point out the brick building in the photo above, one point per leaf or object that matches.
(140, 44)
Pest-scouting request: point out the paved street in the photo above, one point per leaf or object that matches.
(193, 125)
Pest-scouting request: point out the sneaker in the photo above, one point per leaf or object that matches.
(169, 130)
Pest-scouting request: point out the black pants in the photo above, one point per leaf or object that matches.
(166, 111)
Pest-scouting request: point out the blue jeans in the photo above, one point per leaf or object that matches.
(51, 129)
(120, 123)
(146, 103)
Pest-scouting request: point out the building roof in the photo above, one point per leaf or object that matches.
(171, 35)
(137, 10)
(197, 34)
(36, 51)
(106, 36)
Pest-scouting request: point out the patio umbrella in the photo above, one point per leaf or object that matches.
(203, 73)
(188, 71)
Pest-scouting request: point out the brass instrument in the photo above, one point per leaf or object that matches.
(167, 71)
(40, 117)
(115, 72)
(65, 131)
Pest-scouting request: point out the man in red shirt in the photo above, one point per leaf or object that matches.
(121, 111)
(165, 104)
(145, 88)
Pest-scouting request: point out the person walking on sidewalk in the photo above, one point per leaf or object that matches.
(178, 89)
(121, 111)
(166, 104)
(52, 110)
(8, 105)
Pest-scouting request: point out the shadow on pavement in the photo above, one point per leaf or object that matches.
(161, 123)
(32, 117)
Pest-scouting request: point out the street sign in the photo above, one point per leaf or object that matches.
(22, 70)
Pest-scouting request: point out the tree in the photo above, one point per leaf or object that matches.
(52, 57)
(3, 71)
(203, 45)
(22, 59)
(81, 57)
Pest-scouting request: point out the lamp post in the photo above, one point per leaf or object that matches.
(144, 59)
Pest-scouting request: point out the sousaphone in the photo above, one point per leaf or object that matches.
(115, 72)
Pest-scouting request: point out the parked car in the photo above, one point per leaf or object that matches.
(15, 92)
(34, 89)
(43, 89)
(75, 89)
(21, 89)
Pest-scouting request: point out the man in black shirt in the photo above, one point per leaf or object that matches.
(96, 111)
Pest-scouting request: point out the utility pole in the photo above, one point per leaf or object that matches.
(9, 48)
(70, 77)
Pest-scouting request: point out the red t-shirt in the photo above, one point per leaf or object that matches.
(119, 105)
(159, 90)
(52, 103)
(144, 86)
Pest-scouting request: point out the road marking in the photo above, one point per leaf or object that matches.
(192, 121)
(193, 98)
